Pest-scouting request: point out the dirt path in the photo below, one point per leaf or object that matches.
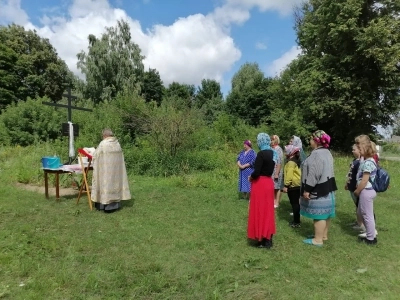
(52, 190)
(391, 158)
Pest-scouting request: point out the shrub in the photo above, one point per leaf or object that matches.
(391, 148)
(26, 123)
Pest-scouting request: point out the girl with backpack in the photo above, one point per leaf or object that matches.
(365, 191)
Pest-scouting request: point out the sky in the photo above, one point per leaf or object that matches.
(186, 41)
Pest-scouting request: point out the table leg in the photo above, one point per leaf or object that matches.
(46, 184)
(57, 187)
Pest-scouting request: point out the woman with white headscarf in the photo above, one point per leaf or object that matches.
(296, 141)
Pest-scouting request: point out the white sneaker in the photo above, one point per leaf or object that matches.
(364, 235)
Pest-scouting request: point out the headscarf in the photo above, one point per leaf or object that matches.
(291, 150)
(321, 138)
(264, 143)
(297, 142)
(248, 143)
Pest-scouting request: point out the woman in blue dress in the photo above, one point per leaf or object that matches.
(245, 162)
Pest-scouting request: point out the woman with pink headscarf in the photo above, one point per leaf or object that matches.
(318, 185)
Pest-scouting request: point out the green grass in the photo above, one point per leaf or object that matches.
(185, 238)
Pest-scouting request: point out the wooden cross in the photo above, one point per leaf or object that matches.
(70, 97)
(69, 106)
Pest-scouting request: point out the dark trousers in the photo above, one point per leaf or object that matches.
(294, 198)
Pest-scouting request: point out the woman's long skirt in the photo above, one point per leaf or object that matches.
(261, 223)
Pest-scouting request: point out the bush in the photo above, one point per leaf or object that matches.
(142, 159)
(391, 148)
(234, 131)
(26, 123)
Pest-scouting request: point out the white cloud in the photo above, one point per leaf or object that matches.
(228, 14)
(192, 48)
(278, 65)
(10, 11)
(282, 6)
(261, 46)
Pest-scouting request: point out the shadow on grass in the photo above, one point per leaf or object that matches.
(344, 219)
(128, 203)
(84, 200)
(283, 213)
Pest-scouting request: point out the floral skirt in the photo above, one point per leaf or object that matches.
(321, 208)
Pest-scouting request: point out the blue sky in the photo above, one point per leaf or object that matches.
(184, 40)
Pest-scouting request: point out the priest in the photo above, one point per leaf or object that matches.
(110, 181)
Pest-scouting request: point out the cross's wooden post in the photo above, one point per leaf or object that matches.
(69, 97)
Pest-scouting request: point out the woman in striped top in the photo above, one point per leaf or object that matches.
(317, 187)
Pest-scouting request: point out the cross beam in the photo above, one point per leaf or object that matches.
(70, 97)
(69, 106)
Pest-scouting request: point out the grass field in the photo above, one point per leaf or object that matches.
(184, 237)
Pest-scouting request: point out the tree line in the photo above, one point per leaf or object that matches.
(346, 81)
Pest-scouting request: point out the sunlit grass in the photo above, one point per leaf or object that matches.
(184, 237)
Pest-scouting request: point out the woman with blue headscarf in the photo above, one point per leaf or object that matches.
(261, 223)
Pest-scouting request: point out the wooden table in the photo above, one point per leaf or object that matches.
(57, 173)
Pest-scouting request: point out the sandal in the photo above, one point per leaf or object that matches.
(310, 242)
(313, 236)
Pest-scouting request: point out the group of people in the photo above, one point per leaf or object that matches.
(309, 182)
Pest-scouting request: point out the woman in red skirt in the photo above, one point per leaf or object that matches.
(261, 223)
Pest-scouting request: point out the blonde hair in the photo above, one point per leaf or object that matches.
(275, 140)
(362, 139)
(367, 149)
(373, 145)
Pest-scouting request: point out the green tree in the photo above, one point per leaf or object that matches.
(289, 116)
(182, 95)
(208, 90)
(249, 98)
(112, 63)
(152, 88)
(170, 127)
(209, 99)
(29, 67)
(351, 74)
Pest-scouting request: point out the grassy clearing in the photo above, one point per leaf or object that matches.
(184, 237)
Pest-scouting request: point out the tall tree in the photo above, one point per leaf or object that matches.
(352, 50)
(152, 88)
(29, 67)
(249, 97)
(208, 90)
(209, 99)
(112, 63)
(182, 95)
